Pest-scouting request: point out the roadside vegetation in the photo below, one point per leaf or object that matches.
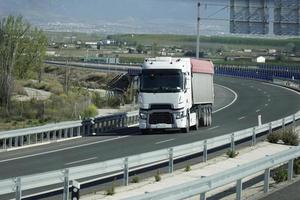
(288, 137)
(73, 93)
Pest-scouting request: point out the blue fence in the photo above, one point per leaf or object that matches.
(258, 72)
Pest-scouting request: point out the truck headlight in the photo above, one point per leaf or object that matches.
(143, 116)
(179, 115)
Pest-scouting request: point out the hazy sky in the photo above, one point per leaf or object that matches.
(175, 13)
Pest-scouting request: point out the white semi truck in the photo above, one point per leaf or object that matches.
(175, 93)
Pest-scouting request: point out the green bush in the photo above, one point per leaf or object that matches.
(297, 166)
(135, 179)
(280, 175)
(274, 137)
(157, 176)
(90, 111)
(290, 137)
(231, 153)
(187, 168)
(111, 190)
(114, 102)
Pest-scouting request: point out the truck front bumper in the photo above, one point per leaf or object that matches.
(178, 123)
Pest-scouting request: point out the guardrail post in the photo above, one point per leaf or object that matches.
(259, 120)
(66, 185)
(290, 169)
(205, 151)
(4, 143)
(171, 160)
(294, 121)
(18, 187)
(267, 180)
(239, 189)
(59, 134)
(16, 142)
(253, 136)
(283, 123)
(202, 196)
(71, 132)
(9, 142)
(232, 145)
(126, 172)
(270, 127)
(78, 131)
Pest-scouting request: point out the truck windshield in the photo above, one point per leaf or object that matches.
(161, 81)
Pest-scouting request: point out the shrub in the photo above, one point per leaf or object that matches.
(188, 168)
(135, 179)
(274, 137)
(290, 137)
(297, 166)
(90, 111)
(114, 102)
(157, 176)
(280, 175)
(231, 153)
(111, 190)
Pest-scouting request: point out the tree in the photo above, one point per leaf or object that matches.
(140, 48)
(22, 51)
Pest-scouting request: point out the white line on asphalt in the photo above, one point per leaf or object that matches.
(241, 118)
(234, 100)
(266, 104)
(80, 161)
(212, 128)
(63, 149)
(269, 100)
(165, 141)
(258, 110)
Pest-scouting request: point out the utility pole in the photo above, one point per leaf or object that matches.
(198, 30)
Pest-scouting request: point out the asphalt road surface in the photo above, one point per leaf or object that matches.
(254, 98)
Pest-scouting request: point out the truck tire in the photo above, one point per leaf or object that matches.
(196, 127)
(205, 116)
(145, 131)
(187, 128)
(209, 117)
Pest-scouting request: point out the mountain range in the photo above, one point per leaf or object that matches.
(163, 16)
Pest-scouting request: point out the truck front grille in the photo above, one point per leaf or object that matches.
(161, 118)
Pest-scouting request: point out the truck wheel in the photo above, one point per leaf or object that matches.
(187, 128)
(209, 117)
(205, 117)
(196, 127)
(145, 131)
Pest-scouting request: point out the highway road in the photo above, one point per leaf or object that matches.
(253, 98)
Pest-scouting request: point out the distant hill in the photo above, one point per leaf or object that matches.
(170, 15)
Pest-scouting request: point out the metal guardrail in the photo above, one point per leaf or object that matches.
(236, 174)
(53, 132)
(124, 165)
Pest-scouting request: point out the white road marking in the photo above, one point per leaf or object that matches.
(266, 104)
(269, 100)
(63, 149)
(214, 127)
(234, 100)
(241, 118)
(258, 110)
(282, 87)
(165, 141)
(251, 86)
(80, 161)
(259, 89)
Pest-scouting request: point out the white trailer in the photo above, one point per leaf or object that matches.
(175, 93)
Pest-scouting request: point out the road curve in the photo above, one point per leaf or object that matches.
(254, 98)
